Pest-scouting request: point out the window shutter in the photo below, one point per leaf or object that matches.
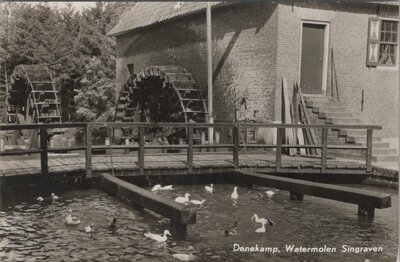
(374, 30)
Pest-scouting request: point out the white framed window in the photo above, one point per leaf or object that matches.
(382, 42)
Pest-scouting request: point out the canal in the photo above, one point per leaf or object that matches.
(32, 231)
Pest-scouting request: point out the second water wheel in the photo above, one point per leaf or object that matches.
(160, 94)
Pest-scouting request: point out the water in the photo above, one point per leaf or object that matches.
(36, 232)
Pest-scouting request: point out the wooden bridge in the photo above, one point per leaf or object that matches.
(144, 158)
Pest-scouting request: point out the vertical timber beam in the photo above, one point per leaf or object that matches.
(278, 158)
(324, 149)
(44, 164)
(141, 150)
(235, 138)
(368, 166)
(88, 143)
(190, 150)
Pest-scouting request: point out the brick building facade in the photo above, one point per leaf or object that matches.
(256, 45)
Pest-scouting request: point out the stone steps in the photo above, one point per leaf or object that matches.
(331, 113)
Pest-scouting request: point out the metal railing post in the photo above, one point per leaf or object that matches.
(369, 151)
(44, 164)
(190, 149)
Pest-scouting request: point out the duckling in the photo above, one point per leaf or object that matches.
(209, 189)
(113, 226)
(232, 231)
(40, 199)
(270, 222)
(54, 197)
(169, 187)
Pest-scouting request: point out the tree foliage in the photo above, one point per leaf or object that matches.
(72, 44)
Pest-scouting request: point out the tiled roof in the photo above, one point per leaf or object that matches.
(147, 13)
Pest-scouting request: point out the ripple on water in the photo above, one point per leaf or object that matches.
(32, 231)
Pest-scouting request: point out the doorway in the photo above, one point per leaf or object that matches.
(314, 54)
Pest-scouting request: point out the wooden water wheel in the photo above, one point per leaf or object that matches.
(160, 94)
(32, 96)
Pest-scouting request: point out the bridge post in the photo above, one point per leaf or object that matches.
(141, 150)
(179, 230)
(365, 211)
(44, 163)
(88, 143)
(235, 138)
(190, 150)
(369, 150)
(324, 149)
(296, 196)
(278, 158)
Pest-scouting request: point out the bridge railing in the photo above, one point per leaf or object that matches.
(234, 146)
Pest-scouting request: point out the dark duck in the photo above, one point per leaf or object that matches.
(232, 231)
(113, 226)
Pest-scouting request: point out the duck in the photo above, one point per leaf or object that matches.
(156, 188)
(234, 195)
(70, 220)
(197, 202)
(209, 189)
(261, 229)
(40, 199)
(270, 193)
(259, 220)
(183, 200)
(158, 238)
(184, 257)
(113, 226)
(232, 231)
(169, 187)
(90, 229)
(54, 197)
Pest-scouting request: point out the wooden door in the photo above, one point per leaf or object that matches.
(312, 58)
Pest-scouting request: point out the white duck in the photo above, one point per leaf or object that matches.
(259, 220)
(270, 193)
(158, 238)
(70, 220)
(156, 188)
(40, 199)
(234, 195)
(197, 202)
(210, 188)
(54, 197)
(184, 199)
(261, 229)
(169, 187)
(184, 257)
(90, 229)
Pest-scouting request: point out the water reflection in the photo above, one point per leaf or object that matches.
(33, 231)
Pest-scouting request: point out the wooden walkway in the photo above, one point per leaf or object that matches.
(167, 163)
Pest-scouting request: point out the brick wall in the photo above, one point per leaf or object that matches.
(348, 26)
(256, 45)
(244, 56)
